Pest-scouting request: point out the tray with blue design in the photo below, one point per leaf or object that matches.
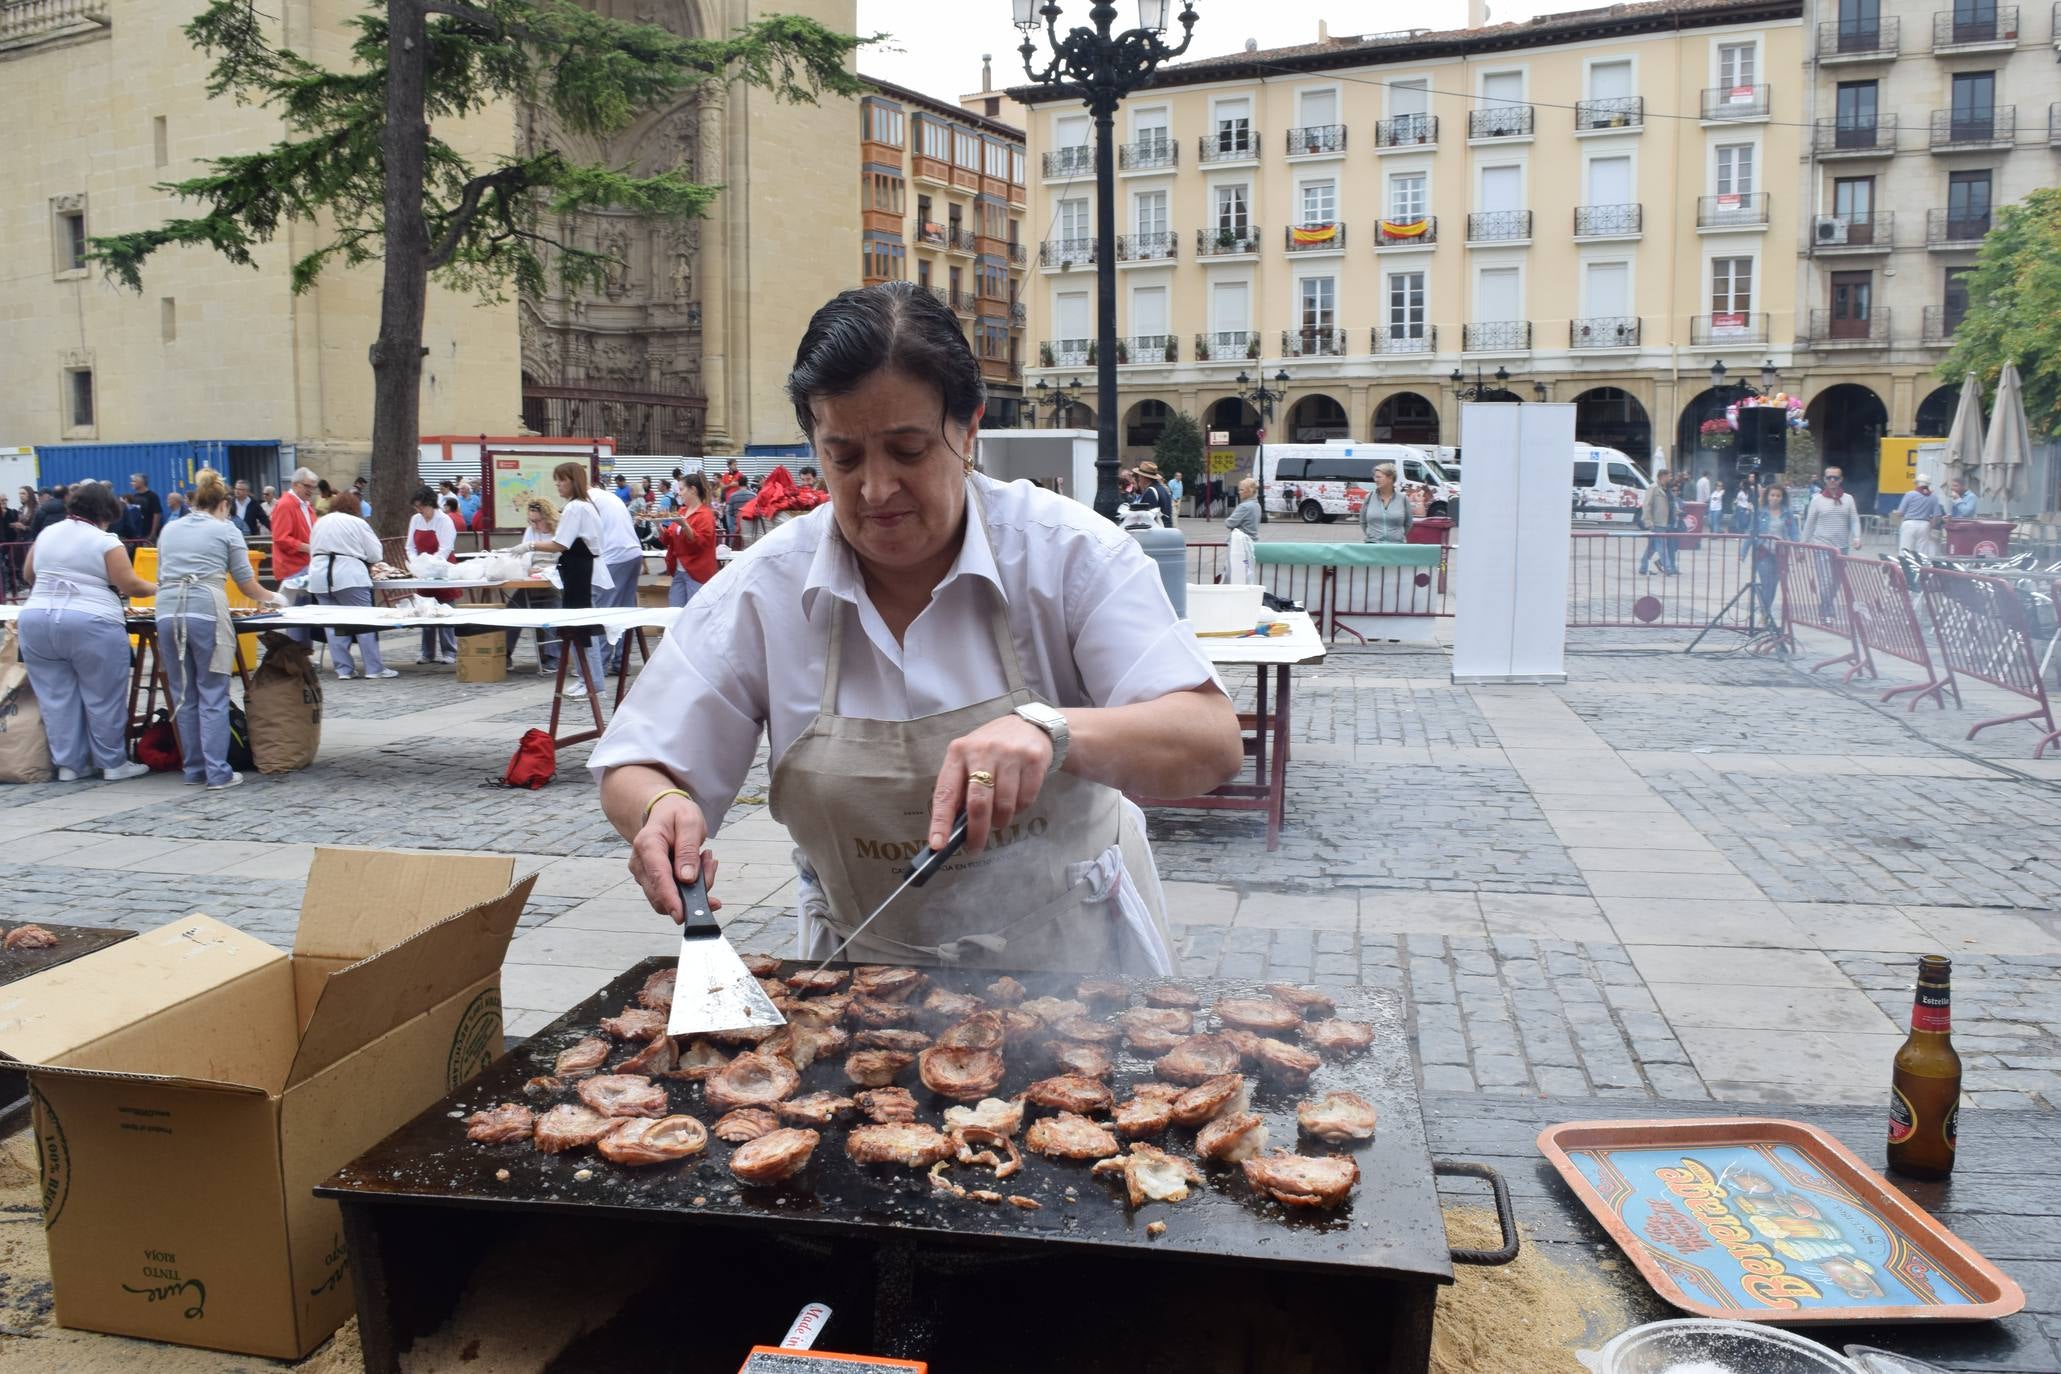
(1758, 1219)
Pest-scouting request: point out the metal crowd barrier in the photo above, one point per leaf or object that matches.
(1983, 633)
(1885, 622)
(1617, 580)
(1814, 596)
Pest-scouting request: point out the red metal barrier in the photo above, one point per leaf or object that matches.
(1885, 622)
(1814, 595)
(1983, 633)
(1607, 588)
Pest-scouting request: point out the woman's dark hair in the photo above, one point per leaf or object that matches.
(424, 497)
(1770, 490)
(697, 484)
(94, 502)
(895, 326)
(451, 504)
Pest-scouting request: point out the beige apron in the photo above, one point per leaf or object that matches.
(1055, 889)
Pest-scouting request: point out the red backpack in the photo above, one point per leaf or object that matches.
(157, 745)
(535, 763)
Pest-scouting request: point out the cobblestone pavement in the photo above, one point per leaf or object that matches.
(1679, 876)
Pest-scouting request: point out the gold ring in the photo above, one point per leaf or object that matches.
(981, 777)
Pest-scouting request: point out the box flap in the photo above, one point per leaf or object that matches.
(60, 1014)
(366, 1000)
(361, 901)
(162, 1080)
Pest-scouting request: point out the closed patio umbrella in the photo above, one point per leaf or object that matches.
(2009, 446)
(1964, 440)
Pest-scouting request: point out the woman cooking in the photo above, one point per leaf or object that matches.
(582, 576)
(432, 532)
(930, 640)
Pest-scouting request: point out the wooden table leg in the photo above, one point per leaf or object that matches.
(622, 672)
(1277, 784)
(1259, 719)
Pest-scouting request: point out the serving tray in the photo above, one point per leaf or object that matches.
(1759, 1219)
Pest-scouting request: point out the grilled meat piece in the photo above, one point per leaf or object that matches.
(1198, 1059)
(1152, 1175)
(1152, 1090)
(876, 1068)
(499, 1125)
(1071, 1092)
(1210, 1099)
(876, 1012)
(818, 980)
(909, 1040)
(814, 1109)
(543, 1085)
(1335, 1039)
(658, 1058)
(760, 965)
(1286, 1064)
(1155, 1030)
(1300, 1181)
(775, 1155)
(1310, 1002)
(624, 1094)
(746, 1123)
(1141, 1116)
(1172, 995)
(1261, 1014)
(568, 1126)
(1088, 1031)
(657, 992)
(1232, 1137)
(583, 1058)
(1248, 1043)
(887, 1105)
(889, 984)
(635, 1023)
(29, 937)
(1103, 992)
(1019, 1026)
(1072, 1057)
(802, 1046)
(911, 1144)
(818, 1011)
(977, 1145)
(1052, 1010)
(1067, 1136)
(1337, 1117)
(653, 1142)
(943, 1006)
(985, 1030)
(698, 1060)
(990, 1113)
(750, 1080)
(1006, 992)
(965, 1075)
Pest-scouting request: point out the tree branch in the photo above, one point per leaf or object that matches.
(504, 179)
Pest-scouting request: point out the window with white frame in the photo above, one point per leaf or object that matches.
(1150, 131)
(1731, 289)
(1503, 88)
(1230, 307)
(1317, 302)
(1610, 181)
(1070, 131)
(966, 150)
(1497, 296)
(1411, 97)
(937, 139)
(1070, 313)
(1233, 216)
(1610, 80)
(1073, 219)
(1234, 125)
(1407, 199)
(1738, 65)
(1149, 212)
(1317, 108)
(1148, 313)
(1405, 305)
(1318, 202)
(1016, 166)
(997, 155)
(1607, 290)
(1502, 189)
(1734, 169)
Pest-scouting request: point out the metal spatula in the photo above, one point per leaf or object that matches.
(713, 991)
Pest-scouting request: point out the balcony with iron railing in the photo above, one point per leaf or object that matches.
(1313, 342)
(1735, 102)
(1138, 349)
(1975, 27)
(1066, 353)
(1228, 145)
(1065, 253)
(1855, 136)
(1611, 112)
(964, 302)
(1404, 339)
(1608, 221)
(941, 295)
(1734, 327)
(1406, 233)
(1017, 253)
(1994, 126)
(1315, 238)
(1406, 131)
(1316, 139)
(959, 239)
(1496, 336)
(1224, 243)
(1829, 330)
(1018, 315)
(1873, 39)
(1499, 226)
(1161, 246)
(1148, 155)
(23, 22)
(1940, 323)
(1604, 331)
(1227, 346)
(1499, 121)
(1730, 210)
(1076, 161)
(1837, 234)
(1956, 230)
(931, 233)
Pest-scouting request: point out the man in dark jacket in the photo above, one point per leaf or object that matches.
(49, 511)
(250, 512)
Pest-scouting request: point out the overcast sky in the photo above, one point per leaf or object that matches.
(935, 45)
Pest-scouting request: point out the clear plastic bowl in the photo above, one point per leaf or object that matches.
(1694, 1345)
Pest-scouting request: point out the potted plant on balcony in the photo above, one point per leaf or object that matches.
(1123, 353)
(1173, 354)
(1227, 239)
(1252, 347)
(1201, 350)
(1045, 358)
(1091, 352)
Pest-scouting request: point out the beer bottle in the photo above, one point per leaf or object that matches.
(1925, 1091)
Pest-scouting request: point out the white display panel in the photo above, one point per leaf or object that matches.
(1511, 583)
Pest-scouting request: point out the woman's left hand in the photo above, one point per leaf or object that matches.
(1016, 754)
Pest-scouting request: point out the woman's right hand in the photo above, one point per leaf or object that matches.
(667, 851)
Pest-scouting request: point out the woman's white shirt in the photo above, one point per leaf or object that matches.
(71, 571)
(1086, 607)
(440, 525)
(619, 541)
(356, 548)
(580, 523)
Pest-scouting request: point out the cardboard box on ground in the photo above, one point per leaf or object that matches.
(193, 1085)
(483, 657)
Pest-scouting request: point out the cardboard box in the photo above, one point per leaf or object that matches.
(193, 1085)
(483, 657)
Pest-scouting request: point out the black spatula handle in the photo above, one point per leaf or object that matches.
(931, 860)
(700, 921)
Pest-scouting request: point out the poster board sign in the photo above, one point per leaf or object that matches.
(1222, 460)
(516, 475)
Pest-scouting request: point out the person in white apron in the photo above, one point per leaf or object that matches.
(927, 640)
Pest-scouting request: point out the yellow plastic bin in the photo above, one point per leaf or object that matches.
(144, 560)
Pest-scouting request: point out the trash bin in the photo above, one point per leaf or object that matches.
(1169, 550)
(1431, 529)
(1978, 538)
(1695, 524)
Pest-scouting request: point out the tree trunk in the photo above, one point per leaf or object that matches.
(397, 351)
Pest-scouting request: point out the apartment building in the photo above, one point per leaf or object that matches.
(1588, 207)
(942, 204)
(1924, 119)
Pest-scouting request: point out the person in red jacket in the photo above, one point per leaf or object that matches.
(293, 519)
(690, 541)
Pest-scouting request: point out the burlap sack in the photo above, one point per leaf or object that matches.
(24, 748)
(284, 707)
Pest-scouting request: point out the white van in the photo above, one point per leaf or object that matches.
(1608, 486)
(1320, 482)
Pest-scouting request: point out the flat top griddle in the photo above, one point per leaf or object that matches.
(72, 942)
(1391, 1227)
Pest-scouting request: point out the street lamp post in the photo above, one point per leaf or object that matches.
(1062, 399)
(1262, 398)
(1481, 390)
(1102, 67)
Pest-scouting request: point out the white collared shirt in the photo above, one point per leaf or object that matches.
(1091, 620)
(618, 532)
(356, 549)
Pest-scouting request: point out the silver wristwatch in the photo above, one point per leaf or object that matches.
(1054, 726)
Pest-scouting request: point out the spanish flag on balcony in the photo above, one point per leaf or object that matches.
(1404, 229)
(1313, 233)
